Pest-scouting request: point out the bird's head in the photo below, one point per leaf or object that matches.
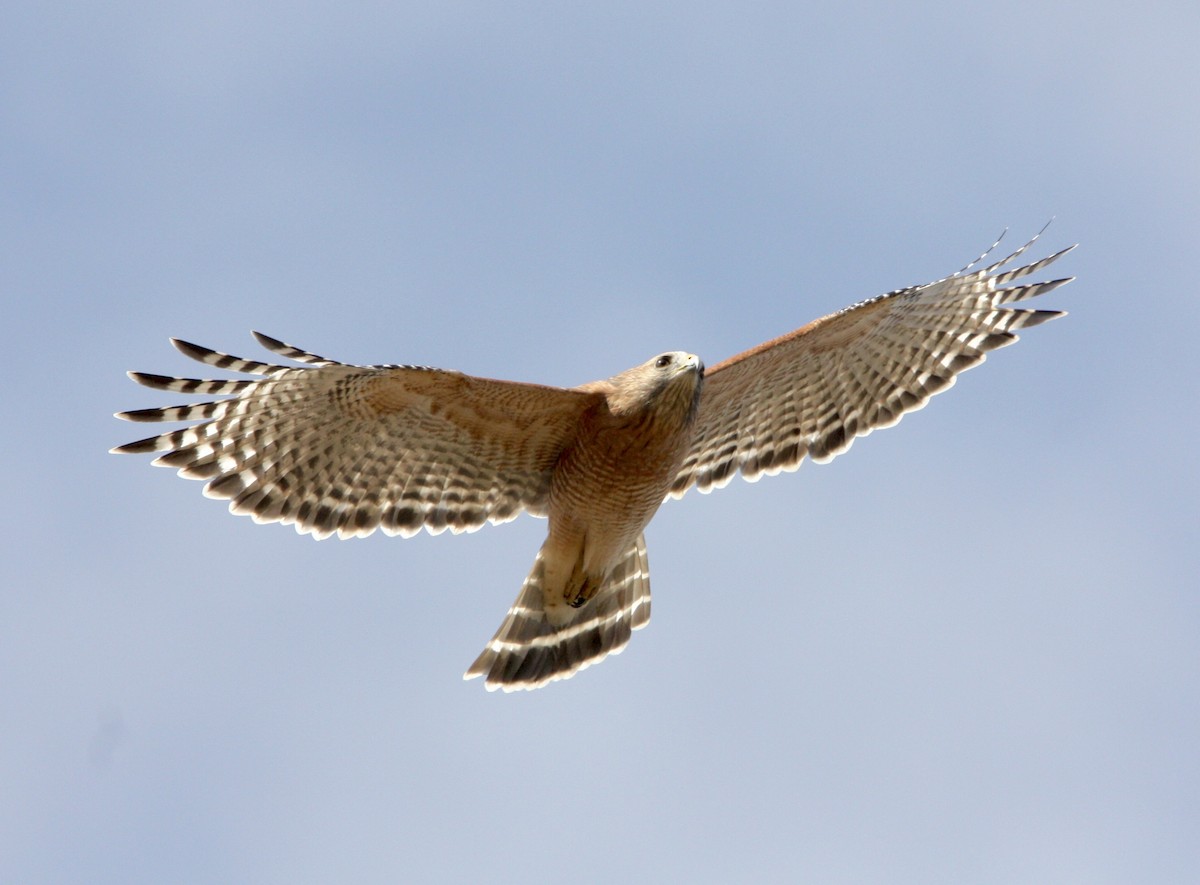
(670, 381)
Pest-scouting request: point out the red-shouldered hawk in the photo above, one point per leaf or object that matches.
(336, 448)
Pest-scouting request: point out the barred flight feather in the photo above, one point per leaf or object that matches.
(306, 446)
(773, 404)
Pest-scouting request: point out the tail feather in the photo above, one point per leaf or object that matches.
(528, 651)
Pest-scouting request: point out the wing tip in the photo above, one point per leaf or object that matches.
(188, 349)
(270, 343)
(138, 447)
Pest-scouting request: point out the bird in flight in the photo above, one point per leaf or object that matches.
(333, 448)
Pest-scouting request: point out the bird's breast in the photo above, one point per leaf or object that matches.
(611, 480)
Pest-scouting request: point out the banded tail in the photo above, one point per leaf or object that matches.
(528, 651)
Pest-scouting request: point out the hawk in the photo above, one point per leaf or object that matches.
(333, 448)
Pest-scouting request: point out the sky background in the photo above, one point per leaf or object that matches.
(964, 652)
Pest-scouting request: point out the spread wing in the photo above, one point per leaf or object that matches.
(331, 447)
(811, 392)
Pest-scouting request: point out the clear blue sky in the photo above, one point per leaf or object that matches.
(964, 652)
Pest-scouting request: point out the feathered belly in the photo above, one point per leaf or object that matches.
(604, 493)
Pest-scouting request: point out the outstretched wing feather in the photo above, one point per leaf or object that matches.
(810, 393)
(336, 448)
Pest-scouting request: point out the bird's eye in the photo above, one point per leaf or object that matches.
(663, 361)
